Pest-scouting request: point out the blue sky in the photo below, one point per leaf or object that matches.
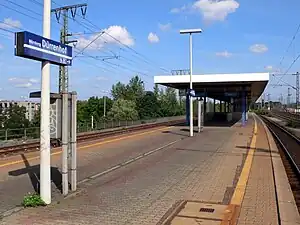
(239, 36)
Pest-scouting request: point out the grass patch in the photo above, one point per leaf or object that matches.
(33, 200)
(292, 124)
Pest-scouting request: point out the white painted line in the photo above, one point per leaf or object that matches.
(105, 172)
(128, 162)
(47, 51)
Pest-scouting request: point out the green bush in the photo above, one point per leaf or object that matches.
(292, 124)
(33, 200)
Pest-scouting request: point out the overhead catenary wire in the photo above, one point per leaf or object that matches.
(291, 65)
(144, 58)
(290, 44)
(37, 19)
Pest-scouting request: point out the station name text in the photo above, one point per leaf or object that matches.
(49, 46)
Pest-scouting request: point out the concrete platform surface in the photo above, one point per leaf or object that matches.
(221, 176)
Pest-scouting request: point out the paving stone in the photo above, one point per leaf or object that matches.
(202, 168)
(259, 205)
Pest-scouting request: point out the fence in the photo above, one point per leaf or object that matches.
(34, 132)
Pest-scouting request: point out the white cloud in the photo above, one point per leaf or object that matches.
(178, 10)
(269, 68)
(211, 10)
(10, 23)
(258, 48)
(165, 27)
(24, 85)
(33, 80)
(112, 35)
(22, 82)
(101, 78)
(153, 38)
(224, 54)
(216, 10)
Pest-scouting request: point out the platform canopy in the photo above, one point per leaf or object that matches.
(219, 86)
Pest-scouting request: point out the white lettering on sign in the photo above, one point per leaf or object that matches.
(55, 48)
(35, 43)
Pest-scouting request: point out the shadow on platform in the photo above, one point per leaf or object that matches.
(176, 133)
(220, 123)
(257, 149)
(34, 175)
(213, 123)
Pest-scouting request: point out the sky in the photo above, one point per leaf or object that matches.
(239, 36)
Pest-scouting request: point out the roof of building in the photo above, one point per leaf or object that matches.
(216, 85)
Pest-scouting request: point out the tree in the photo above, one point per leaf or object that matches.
(123, 110)
(169, 103)
(118, 91)
(132, 91)
(148, 106)
(15, 117)
(156, 91)
(36, 121)
(135, 89)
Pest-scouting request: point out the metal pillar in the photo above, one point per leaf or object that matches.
(199, 114)
(214, 105)
(204, 105)
(73, 142)
(191, 88)
(289, 98)
(187, 110)
(63, 71)
(65, 141)
(297, 92)
(243, 108)
(45, 172)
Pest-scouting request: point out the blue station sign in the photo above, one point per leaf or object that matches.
(32, 46)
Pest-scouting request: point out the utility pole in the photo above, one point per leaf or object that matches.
(269, 101)
(104, 106)
(289, 98)
(297, 91)
(63, 72)
(63, 88)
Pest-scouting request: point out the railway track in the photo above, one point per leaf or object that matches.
(287, 116)
(289, 149)
(34, 146)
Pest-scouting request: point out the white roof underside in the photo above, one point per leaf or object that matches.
(212, 78)
(217, 84)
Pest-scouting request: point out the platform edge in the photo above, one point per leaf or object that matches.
(287, 209)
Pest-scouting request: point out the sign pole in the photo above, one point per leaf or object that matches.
(73, 142)
(45, 172)
(191, 87)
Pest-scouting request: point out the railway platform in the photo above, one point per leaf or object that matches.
(224, 175)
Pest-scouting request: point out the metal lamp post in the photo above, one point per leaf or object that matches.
(190, 32)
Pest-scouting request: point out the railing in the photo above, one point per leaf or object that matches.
(34, 132)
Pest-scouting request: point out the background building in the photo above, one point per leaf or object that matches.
(31, 107)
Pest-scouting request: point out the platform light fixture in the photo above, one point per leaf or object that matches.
(190, 32)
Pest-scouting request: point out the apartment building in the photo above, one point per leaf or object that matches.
(31, 107)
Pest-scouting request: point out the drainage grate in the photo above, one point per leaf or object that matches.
(208, 210)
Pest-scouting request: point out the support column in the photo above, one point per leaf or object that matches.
(246, 106)
(187, 109)
(199, 114)
(214, 105)
(74, 142)
(243, 108)
(204, 105)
